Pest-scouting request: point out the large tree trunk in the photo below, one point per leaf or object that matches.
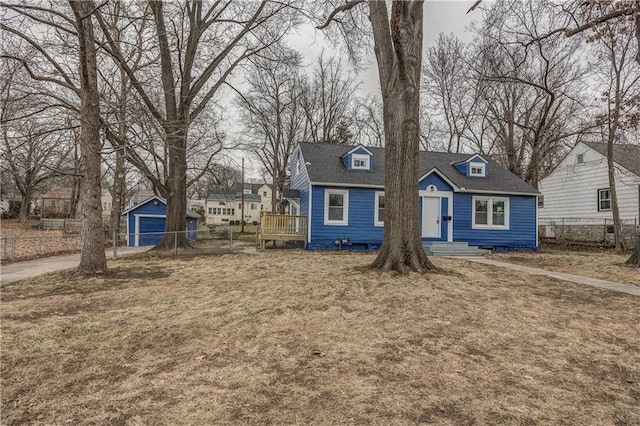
(92, 257)
(117, 191)
(175, 226)
(398, 48)
(25, 201)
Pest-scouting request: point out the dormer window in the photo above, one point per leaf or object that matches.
(360, 161)
(476, 169)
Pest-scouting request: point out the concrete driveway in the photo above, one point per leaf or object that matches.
(12, 272)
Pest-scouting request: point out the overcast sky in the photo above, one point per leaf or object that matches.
(439, 16)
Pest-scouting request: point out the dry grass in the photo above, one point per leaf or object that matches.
(604, 264)
(315, 338)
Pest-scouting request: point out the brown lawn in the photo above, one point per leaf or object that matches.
(291, 337)
(604, 265)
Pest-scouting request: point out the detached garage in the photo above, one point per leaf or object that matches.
(146, 222)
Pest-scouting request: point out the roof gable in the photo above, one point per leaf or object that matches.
(190, 213)
(627, 156)
(357, 150)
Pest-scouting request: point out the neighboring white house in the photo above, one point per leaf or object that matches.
(576, 199)
(225, 207)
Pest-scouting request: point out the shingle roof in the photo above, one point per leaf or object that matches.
(324, 165)
(628, 156)
(231, 195)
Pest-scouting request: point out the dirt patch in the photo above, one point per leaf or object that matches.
(604, 264)
(301, 337)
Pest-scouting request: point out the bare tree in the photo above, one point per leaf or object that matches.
(190, 74)
(451, 89)
(272, 113)
(35, 142)
(92, 257)
(327, 100)
(398, 48)
(369, 125)
(532, 85)
(621, 97)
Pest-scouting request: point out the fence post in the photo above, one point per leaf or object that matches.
(175, 243)
(562, 235)
(13, 248)
(231, 237)
(115, 245)
(4, 248)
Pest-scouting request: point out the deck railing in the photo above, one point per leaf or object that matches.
(282, 227)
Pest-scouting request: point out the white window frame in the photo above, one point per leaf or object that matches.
(376, 218)
(490, 201)
(600, 199)
(360, 157)
(480, 166)
(345, 207)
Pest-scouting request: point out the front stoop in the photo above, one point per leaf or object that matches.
(439, 248)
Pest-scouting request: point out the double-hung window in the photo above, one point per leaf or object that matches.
(336, 207)
(360, 161)
(476, 169)
(604, 199)
(490, 212)
(378, 219)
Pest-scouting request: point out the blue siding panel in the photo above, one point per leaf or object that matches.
(360, 232)
(300, 181)
(463, 168)
(154, 225)
(521, 234)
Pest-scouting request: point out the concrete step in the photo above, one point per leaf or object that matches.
(440, 248)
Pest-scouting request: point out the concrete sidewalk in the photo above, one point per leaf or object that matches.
(12, 272)
(593, 282)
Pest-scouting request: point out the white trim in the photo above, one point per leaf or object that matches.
(142, 203)
(355, 149)
(456, 188)
(376, 218)
(345, 207)
(361, 157)
(347, 185)
(128, 233)
(442, 194)
(489, 225)
(439, 173)
(484, 191)
(477, 156)
(136, 218)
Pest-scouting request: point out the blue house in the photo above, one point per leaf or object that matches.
(463, 198)
(146, 222)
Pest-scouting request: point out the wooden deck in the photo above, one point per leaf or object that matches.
(281, 227)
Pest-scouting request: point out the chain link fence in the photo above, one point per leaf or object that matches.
(27, 244)
(586, 230)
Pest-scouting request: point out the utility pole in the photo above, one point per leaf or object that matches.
(242, 199)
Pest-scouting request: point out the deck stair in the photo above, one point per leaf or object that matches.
(443, 248)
